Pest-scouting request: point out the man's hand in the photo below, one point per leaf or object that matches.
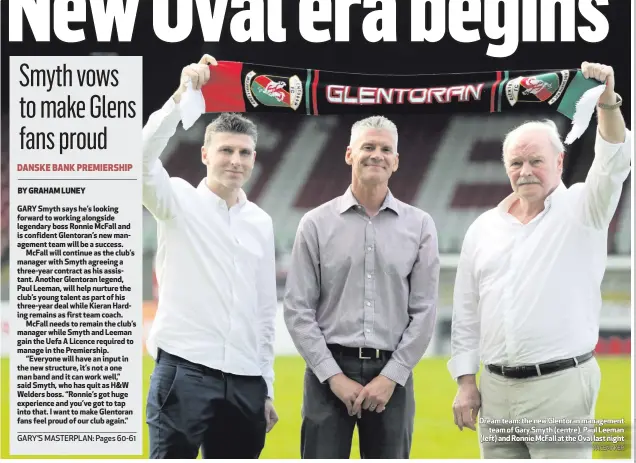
(374, 396)
(270, 414)
(345, 389)
(467, 403)
(605, 75)
(197, 73)
(611, 124)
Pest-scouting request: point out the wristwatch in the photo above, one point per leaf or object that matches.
(619, 102)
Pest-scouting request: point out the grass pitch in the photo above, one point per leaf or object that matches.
(435, 435)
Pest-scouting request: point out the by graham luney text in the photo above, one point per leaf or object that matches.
(75, 270)
(503, 25)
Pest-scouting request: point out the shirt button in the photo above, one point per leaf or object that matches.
(368, 275)
(368, 303)
(368, 330)
(369, 248)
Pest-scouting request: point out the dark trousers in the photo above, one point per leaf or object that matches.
(192, 407)
(327, 428)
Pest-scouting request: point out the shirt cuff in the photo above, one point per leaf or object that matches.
(464, 364)
(270, 389)
(396, 371)
(326, 369)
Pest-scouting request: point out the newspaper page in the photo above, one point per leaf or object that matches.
(316, 229)
(75, 137)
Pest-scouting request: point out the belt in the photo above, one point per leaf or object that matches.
(363, 353)
(529, 371)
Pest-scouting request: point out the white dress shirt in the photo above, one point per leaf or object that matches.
(529, 294)
(215, 268)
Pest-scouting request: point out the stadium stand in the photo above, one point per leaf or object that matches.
(449, 166)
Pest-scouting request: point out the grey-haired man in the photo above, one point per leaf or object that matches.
(360, 305)
(528, 293)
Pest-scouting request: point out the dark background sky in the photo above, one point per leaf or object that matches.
(163, 61)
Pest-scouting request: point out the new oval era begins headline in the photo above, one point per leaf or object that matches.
(317, 19)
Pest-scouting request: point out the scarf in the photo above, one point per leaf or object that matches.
(252, 88)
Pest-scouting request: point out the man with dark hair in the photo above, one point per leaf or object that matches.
(231, 123)
(213, 334)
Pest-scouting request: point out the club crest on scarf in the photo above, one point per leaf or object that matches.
(272, 90)
(537, 89)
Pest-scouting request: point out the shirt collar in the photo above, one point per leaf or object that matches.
(216, 199)
(347, 201)
(504, 205)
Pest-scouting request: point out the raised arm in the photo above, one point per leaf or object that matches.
(157, 192)
(612, 157)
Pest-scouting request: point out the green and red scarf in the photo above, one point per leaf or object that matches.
(246, 87)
